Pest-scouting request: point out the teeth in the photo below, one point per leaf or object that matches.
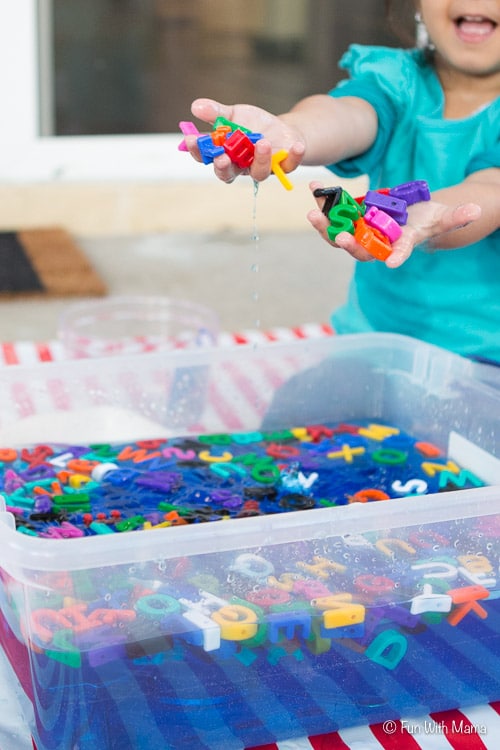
(476, 19)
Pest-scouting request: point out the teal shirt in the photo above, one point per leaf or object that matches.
(449, 298)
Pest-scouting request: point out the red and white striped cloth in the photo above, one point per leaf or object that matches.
(474, 728)
(33, 352)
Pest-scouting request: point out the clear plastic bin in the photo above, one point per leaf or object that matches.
(177, 655)
(128, 325)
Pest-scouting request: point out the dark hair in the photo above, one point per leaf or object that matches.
(400, 17)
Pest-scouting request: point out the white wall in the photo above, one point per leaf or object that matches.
(18, 72)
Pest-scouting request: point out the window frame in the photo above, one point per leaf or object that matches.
(30, 156)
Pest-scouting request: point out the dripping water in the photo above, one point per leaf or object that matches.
(255, 267)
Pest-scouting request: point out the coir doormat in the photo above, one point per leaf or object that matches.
(47, 263)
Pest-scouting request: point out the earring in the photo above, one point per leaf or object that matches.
(422, 39)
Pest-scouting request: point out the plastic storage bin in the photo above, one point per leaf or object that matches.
(129, 325)
(403, 620)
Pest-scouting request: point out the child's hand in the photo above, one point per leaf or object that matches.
(276, 135)
(427, 221)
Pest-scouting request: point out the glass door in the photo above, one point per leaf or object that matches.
(94, 88)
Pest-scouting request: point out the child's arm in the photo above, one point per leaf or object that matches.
(484, 189)
(445, 222)
(318, 130)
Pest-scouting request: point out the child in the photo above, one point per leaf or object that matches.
(421, 114)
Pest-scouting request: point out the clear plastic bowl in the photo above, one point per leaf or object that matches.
(129, 325)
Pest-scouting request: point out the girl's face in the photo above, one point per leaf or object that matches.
(466, 34)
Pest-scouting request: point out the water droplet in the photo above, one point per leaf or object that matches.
(255, 239)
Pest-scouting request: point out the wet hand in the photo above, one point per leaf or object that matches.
(276, 135)
(427, 222)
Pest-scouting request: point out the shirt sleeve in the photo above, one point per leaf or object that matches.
(379, 76)
(485, 160)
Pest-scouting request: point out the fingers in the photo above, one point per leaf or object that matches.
(317, 186)
(461, 216)
(192, 147)
(402, 248)
(446, 221)
(320, 223)
(347, 242)
(209, 110)
(344, 240)
(227, 171)
(224, 169)
(261, 165)
(294, 158)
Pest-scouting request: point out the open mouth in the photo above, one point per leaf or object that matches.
(475, 28)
